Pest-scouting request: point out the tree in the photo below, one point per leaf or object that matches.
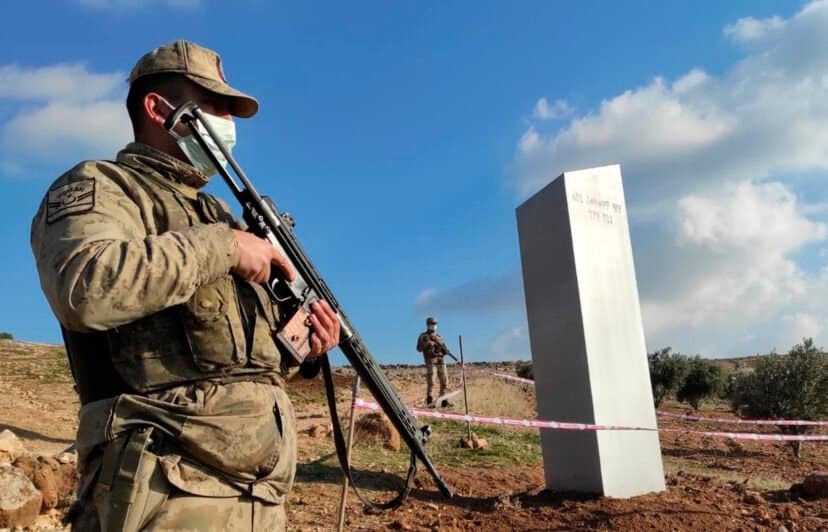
(6, 336)
(704, 379)
(792, 386)
(667, 371)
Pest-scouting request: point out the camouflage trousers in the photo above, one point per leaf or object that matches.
(435, 365)
(182, 511)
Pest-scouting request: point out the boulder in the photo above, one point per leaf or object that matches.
(19, 499)
(376, 427)
(55, 480)
(10, 447)
(475, 442)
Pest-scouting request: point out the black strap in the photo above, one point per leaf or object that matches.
(342, 454)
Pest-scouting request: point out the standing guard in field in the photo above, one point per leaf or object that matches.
(433, 348)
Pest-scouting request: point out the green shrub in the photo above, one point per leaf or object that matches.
(524, 370)
(667, 371)
(792, 386)
(6, 336)
(704, 379)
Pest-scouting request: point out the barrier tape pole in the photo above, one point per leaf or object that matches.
(463, 380)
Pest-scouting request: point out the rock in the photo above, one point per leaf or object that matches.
(752, 497)
(55, 481)
(19, 499)
(10, 447)
(318, 431)
(376, 427)
(816, 485)
(475, 442)
(790, 513)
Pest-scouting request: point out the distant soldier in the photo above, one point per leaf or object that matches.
(433, 348)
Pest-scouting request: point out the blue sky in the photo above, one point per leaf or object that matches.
(403, 135)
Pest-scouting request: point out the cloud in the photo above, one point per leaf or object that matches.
(61, 82)
(729, 270)
(488, 295)
(750, 30)
(715, 169)
(512, 344)
(544, 111)
(765, 116)
(64, 113)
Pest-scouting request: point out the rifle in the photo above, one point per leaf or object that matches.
(294, 299)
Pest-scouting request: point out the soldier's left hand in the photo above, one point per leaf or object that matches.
(324, 329)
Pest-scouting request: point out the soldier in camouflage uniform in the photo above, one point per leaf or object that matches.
(433, 348)
(185, 423)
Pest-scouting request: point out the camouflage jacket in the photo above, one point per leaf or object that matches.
(135, 263)
(431, 345)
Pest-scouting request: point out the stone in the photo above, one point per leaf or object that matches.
(55, 481)
(816, 485)
(752, 497)
(318, 431)
(10, 447)
(376, 427)
(589, 358)
(19, 499)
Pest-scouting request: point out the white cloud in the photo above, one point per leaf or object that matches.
(544, 111)
(766, 115)
(97, 130)
(512, 344)
(64, 113)
(61, 82)
(749, 29)
(714, 165)
(803, 325)
(731, 269)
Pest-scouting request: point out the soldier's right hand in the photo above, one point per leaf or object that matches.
(256, 256)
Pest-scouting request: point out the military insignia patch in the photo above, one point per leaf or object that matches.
(75, 198)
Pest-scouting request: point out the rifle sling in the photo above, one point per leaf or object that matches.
(342, 453)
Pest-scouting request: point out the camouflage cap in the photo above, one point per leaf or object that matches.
(431, 320)
(198, 64)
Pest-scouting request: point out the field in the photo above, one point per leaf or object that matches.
(713, 484)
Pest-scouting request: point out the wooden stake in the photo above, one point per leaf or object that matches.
(344, 496)
(463, 378)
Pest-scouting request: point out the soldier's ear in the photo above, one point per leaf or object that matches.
(156, 109)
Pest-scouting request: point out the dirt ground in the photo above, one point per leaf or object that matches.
(712, 484)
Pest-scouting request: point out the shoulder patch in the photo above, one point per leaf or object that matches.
(77, 197)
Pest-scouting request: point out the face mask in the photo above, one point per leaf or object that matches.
(226, 132)
(432, 328)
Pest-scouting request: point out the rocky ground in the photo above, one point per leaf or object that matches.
(712, 484)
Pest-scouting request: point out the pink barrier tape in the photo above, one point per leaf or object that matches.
(562, 425)
(778, 422)
(512, 377)
(795, 422)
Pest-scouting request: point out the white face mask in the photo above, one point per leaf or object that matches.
(226, 132)
(431, 328)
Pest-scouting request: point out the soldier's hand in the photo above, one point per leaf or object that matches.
(256, 256)
(324, 329)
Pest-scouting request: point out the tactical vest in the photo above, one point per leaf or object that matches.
(225, 331)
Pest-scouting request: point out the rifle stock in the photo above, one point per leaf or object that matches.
(295, 297)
